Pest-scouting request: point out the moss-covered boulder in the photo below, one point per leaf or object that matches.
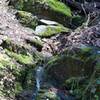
(53, 4)
(47, 95)
(64, 66)
(49, 30)
(49, 9)
(36, 42)
(59, 7)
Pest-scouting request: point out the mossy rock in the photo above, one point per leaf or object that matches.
(45, 94)
(59, 7)
(21, 4)
(36, 42)
(64, 66)
(49, 30)
(21, 58)
(49, 9)
(27, 19)
(18, 87)
(16, 69)
(53, 4)
(51, 96)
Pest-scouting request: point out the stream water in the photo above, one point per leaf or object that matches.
(39, 80)
(40, 73)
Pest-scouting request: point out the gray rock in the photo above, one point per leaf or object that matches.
(48, 22)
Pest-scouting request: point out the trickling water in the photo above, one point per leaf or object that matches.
(39, 80)
(39, 77)
(40, 73)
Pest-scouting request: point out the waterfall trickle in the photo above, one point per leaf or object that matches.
(39, 77)
(39, 80)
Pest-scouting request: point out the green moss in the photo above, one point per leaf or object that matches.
(22, 4)
(27, 19)
(53, 60)
(50, 30)
(18, 87)
(59, 7)
(53, 4)
(19, 4)
(77, 20)
(44, 94)
(21, 58)
(36, 41)
(5, 61)
(51, 96)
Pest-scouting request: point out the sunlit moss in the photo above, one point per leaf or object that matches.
(52, 30)
(27, 19)
(59, 7)
(21, 58)
(5, 61)
(53, 4)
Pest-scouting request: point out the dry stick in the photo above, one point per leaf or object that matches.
(90, 83)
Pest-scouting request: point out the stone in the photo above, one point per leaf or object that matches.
(65, 66)
(48, 22)
(49, 30)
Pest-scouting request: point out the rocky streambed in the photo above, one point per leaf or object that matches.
(70, 59)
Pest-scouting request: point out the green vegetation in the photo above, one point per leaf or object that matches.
(57, 37)
(27, 19)
(50, 30)
(59, 7)
(24, 59)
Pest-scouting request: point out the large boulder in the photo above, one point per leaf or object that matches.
(48, 9)
(65, 66)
